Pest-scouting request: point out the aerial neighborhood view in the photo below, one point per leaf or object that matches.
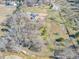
(39, 29)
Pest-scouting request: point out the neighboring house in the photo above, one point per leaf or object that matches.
(74, 5)
(73, 0)
(26, 2)
(36, 2)
(1, 1)
(9, 2)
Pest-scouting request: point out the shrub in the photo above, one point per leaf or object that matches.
(59, 39)
(77, 34)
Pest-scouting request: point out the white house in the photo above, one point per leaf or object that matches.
(56, 7)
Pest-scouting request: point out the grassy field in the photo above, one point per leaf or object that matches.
(53, 27)
(37, 9)
(5, 11)
(23, 55)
